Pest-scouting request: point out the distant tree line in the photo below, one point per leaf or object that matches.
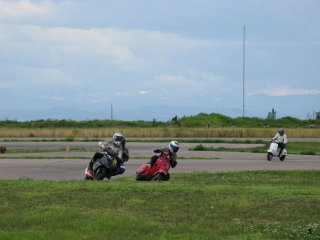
(200, 120)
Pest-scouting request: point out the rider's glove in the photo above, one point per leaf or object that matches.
(173, 163)
(101, 145)
(125, 156)
(157, 150)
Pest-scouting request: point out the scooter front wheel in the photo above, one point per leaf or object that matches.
(269, 156)
(282, 158)
(87, 178)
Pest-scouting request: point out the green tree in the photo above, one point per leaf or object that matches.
(272, 114)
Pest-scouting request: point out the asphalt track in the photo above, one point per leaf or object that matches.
(70, 165)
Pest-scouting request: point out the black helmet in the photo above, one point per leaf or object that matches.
(118, 139)
(281, 131)
(173, 146)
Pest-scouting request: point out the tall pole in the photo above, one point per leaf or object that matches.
(111, 113)
(243, 69)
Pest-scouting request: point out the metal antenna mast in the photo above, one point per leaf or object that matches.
(111, 113)
(243, 69)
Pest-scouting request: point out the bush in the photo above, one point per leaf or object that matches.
(308, 153)
(199, 147)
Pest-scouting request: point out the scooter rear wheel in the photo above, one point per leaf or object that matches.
(282, 158)
(142, 177)
(161, 177)
(269, 156)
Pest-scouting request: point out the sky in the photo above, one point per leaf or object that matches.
(153, 60)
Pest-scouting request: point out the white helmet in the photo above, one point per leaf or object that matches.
(173, 146)
(117, 139)
(281, 131)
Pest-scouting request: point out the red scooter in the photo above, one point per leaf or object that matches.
(157, 169)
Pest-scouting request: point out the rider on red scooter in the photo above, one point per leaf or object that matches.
(172, 148)
(157, 168)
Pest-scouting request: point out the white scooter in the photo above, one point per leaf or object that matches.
(274, 150)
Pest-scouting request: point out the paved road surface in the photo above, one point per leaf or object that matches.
(73, 169)
(135, 146)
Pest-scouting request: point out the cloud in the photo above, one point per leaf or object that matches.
(192, 81)
(7, 84)
(47, 76)
(14, 9)
(196, 88)
(97, 58)
(58, 99)
(62, 45)
(98, 96)
(101, 49)
(210, 78)
(89, 97)
(167, 80)
(285, 91)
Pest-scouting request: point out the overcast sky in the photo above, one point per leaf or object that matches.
(150, 59)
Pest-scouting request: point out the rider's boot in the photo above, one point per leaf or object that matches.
(119, 170)
(280, 152)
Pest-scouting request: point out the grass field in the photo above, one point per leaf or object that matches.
(156, 132)
(302, 148)
(240, 205)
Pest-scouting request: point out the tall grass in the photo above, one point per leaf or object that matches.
(158, 132)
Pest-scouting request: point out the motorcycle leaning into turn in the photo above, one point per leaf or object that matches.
(104, 166)
(157, 169)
